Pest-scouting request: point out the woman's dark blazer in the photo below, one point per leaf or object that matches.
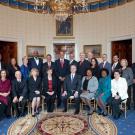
(12, 71)
(45, 85)
(33, 86)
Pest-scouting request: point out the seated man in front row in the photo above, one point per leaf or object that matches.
(72, 86)
(19, 93)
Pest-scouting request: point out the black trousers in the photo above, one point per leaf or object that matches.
(77, 103)
(3, 108)
(115, 103)
(134, 95)
(19, 107)
(50, 99)
(129, 96)
(59, 91)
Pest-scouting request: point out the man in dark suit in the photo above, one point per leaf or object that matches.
(48, 65)
(61, 71)
(72, 87)
(35, 62)
(19, 93)
(2, 65)
(90, 56)
(72, 59)
(115, 64)
(105, 64)
(133, 68)
(82, 65)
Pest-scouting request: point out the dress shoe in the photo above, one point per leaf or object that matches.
(33, 115)
(65, 110)
(22, 114)
(91, 112)
(104, 114)
(76, 112)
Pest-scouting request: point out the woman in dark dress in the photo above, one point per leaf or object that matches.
(49, 89)
(12, 68)
(34, 87)
(95, 68)
(5, 88)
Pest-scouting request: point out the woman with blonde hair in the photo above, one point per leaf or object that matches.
(127, 73)
(24, 68)
(34, 87)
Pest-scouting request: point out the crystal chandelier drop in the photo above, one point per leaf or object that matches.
(61, 9)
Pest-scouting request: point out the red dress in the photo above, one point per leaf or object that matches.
(5, 87)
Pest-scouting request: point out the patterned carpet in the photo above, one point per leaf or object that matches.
(124, 126)
(63, 124)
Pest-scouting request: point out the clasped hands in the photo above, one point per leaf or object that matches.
(37, 92)
(62, 78)
(75, 94)
(51, 93)
(15, 99)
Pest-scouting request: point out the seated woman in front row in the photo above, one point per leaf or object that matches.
(104, 91)
(5, 89)
(119, 93)
(89, 88)
(34, 87)
(49, 89)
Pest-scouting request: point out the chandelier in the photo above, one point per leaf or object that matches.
(61, 9)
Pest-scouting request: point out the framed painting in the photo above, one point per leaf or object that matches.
(95, 49)
(64, 28)
(30, 49)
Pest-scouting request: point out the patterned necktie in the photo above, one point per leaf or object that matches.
(81, 63)
(72, 77)
(62, 63)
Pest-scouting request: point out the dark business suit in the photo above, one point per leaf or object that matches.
(19, 89)
(133, 68)
(118, 66)
(33, 86)
(32, 64)
(82, 67)
(106, 66)
(71, 86)
(74, 62)
(50, 99)
(46, 66)
(3, 66)
(96, 71)
(60, 72)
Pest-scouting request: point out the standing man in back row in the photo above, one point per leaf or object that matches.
(36, 62)
(105, 64)
(61, 71)
(82, 65)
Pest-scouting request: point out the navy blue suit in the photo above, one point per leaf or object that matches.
(106, 66)
(82, 67)
(60, 72)
(32, 64)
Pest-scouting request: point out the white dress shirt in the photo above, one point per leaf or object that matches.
(104, 62)
(114, 65)
(119, 86)
(37, 60)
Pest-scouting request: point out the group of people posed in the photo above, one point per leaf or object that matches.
(84, 80)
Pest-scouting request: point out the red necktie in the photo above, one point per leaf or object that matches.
(62, 63)
(81, 63)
